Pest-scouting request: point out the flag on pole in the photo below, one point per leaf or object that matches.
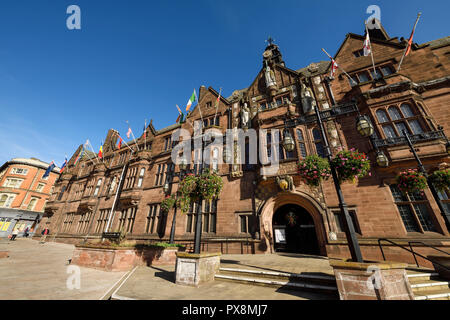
(129, 132)
(120, 143)
(367, 47)
(63, 166)
(100, 152)
(49, 169)
(145, 129)
(80, 156)
(191, 100)
(408, 48)
(180, 115)
(334, 67)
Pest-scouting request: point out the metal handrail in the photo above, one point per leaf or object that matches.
(427, 245)
(412, 251)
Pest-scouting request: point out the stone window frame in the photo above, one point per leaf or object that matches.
(8, 200)
(83, 222)
(209, 216)
(40, 186)
(16, 185)
(244, 216)
(68, 221)
(317, 140)
(353, 211)
(370, 74)
(167, 143)
(16, 169)
(411, 202)
(141, 177)
(404, 118)
(102, 220)
(153, 218)
(301, 142)
(97, 187)
(160, 174)
(33, 202)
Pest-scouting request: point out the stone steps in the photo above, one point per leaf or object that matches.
(318, 283)
(428, 286)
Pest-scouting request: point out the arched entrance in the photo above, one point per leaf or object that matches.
(307, 235)
(294, 230)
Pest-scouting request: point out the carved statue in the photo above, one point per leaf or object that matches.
(270, 77)
(245, 115)
(307, 97)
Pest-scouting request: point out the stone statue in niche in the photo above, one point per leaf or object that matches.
(307, 97)
(270, 77)
(245, 116)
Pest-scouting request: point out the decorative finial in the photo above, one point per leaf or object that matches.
(270, 40)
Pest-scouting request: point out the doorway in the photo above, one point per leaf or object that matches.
(294, 230)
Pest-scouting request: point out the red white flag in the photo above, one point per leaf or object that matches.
(129, 132)
(410, 42)
(367, 47)
(120, 143)
(334, 67)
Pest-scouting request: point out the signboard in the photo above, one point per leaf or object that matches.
(280, 235)
(111, 235)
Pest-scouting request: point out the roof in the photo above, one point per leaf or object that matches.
(439, 42)
(30, 162)
(314, 68)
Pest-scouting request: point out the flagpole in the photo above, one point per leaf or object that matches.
(339, 66)
(371, 52)
(92, 148)
(199, 108)
(145, 135)
(217, 105)
(410, 38)
(123, 141)
(132, 134)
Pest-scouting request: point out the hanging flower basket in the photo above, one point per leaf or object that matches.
(313, 169)
(441, 179)
(209, 185)
(167, 204)
(350, 165)
(188, 191)
(411, 181)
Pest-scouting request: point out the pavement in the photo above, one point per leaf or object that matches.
(36, 271)
(41, 272)
(158, 283)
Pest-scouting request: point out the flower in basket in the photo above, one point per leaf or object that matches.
(167, 203)
(411, 181)
(350, 165)
(188, 192)
(209, 185)
(313, 169)
(441, 179)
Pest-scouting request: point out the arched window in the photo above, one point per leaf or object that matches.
(97, 187)
(318, 143)
(141, 177)
(215, 159)
(3, 199)
(382, 116)
(32, 204)
(112, 186)
(394, 113)
(301, 143)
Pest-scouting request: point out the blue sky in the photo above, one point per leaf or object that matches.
(134, 60)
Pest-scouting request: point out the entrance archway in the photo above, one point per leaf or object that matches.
(294, 230)
(306, 208)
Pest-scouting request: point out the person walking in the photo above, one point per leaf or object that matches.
(44, 233)
(25, 233)
(14, 234)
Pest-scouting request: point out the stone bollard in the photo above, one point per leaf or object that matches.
(194, 269)
(372, 280)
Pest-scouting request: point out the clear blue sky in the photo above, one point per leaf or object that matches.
(136, 59)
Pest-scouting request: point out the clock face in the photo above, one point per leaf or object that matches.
(267, 54)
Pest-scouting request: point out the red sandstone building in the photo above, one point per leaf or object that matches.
(251, 206)
(24, 193)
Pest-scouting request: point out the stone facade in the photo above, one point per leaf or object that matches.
(242, 221)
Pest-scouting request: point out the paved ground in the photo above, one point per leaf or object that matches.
(36, 271)
(157, 283)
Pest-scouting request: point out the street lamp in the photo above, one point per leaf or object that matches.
(364, 126)
(382, 160)
(183, 164)
(288, 142)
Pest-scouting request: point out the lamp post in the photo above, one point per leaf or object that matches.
(445, 214)
(366, 127)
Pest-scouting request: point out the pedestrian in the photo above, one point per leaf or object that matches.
(25, 233)
(14, 234)
(44, 233)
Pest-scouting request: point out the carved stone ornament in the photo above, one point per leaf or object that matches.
(286, 183)
(307, 98)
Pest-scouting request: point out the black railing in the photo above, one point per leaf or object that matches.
(421, 137)
(412, 251)
(325, 115)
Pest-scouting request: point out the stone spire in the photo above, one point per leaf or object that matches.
(272, 54)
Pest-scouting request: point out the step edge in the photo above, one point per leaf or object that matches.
(432, 296)
(418, 275)
(430, 284)
(282, 283)
(283, 274)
